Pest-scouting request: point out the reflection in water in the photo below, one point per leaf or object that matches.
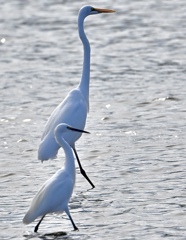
(46, 236)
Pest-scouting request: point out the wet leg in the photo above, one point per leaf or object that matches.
(73, 224)
(81, 169)
(37, 226)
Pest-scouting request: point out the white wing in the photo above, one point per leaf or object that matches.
(73, 111)
(52, 197)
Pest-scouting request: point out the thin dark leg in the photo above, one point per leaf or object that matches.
(37, 226)
(82, 170)
(75, 228)
(73, 224)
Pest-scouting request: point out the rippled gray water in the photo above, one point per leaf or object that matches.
(136, 153)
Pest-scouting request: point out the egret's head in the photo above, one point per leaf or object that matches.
(63, 127)
(89, 10)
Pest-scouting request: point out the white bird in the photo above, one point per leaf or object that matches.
(56, 192)
(73, 109)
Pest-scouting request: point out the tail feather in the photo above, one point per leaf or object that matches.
(33, 212)
(48, 149)
(29, 217)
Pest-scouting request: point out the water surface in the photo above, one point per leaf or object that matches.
(135, 154)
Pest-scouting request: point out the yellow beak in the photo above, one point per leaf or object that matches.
(102, 10)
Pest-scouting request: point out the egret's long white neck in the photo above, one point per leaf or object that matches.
(69, 162)
(85, 79)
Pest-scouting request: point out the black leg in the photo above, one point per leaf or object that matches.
(82, 170)
(37, 226)
(73, 224)
(75, 228)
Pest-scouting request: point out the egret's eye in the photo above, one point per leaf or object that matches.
(92, 9)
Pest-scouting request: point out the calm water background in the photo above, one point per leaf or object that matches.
(136, 153)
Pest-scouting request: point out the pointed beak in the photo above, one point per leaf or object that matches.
(102, 10)
(77, 130)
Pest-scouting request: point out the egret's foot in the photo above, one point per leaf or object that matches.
(76, 229)
(36, 229)
(87, 178)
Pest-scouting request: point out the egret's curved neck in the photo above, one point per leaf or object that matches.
(69, 162)
(84, 83)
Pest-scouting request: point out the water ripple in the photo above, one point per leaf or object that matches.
(135, 153)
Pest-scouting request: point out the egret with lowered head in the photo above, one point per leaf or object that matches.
(54, 195)
(73, 109)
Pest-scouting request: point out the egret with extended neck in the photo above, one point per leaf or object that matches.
(74, 108)
(54, 195)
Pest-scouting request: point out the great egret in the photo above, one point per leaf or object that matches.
(73, 109)
(55, 194)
